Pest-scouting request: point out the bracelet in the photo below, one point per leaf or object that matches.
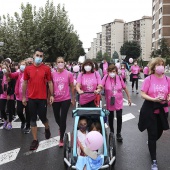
(52, 95)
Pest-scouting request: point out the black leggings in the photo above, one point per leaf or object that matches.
(10, 104)
(119, 120)
(90, 104)
(20, 108)
(133, 82)
(60, 110)
(154, 133)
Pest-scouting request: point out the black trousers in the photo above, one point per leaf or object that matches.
(37, 107)
(135, 80)
(90, 104)
(60, 110)
(20, 108)
(119, 120)
(9, 103)
(154, 133)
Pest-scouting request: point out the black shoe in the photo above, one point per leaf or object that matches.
(22, 126)
(119, 137)
(27, 130)
(34, 145)
(47, 133)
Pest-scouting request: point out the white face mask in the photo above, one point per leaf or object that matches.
(88, 68)
(112, 75)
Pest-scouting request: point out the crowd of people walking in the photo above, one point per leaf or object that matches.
(30, 85)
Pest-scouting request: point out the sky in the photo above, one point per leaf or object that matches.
(87, 16)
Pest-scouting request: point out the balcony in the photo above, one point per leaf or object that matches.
(160, 15)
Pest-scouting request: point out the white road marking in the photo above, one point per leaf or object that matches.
(45, 144)
(48, 143)
(127, 117)
(141, 80)
(9, 156)
(16, 125)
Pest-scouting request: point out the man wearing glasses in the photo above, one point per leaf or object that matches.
(36, 76)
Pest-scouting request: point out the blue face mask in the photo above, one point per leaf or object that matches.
(22, 67)
(38, 60)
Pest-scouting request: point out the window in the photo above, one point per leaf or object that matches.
(160, 10)
(153, 35)
(160, 21)
(159, 31)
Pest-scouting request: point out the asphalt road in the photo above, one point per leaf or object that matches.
(132, 154)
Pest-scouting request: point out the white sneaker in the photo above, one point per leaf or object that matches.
(154, 165)
(137, 92)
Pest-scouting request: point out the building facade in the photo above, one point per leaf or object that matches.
(141, 32)
(161, 22)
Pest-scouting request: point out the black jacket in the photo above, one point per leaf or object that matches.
(147, 113)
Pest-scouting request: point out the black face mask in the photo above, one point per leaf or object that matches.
(83, 128)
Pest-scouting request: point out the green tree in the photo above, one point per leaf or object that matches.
(99, 56)
(106, 57)
(48, 28)
(164, 50)
(131, 49)
(115, 55)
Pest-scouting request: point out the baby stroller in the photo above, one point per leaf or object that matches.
(70, 139)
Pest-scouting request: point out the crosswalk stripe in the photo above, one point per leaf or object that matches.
(8, 156)
(45, 144)
(127, 117)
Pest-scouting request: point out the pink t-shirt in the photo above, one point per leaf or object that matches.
(105, 66)
(89, 83)
(19, 77)
(61, 83)
(4, 94)
(123, 73)
(146, 70)
(156, 87)
(135, 70)
(113, 88)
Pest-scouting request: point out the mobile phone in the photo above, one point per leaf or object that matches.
(112, 101)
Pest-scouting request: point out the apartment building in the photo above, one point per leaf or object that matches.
(140, 31)
(161, 22)
(106, 39)
(99, 42)
(117, 36)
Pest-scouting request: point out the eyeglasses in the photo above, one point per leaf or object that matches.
(39, 55)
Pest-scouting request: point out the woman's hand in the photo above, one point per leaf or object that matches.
(157, 99)
(129, 101)
(168, 97)
(97, 91)
(80, 91)
(73, 101)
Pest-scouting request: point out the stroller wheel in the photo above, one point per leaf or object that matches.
(67, 150)
(112, 148)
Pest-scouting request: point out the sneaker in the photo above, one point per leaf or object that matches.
(34, 145)
(154, 165)
(119, 137)
(22, 126)
(9, 126)
(137, 92)
(5, 124)
(47, 133)
(27, 130)
(132, 90)
(61, 143)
